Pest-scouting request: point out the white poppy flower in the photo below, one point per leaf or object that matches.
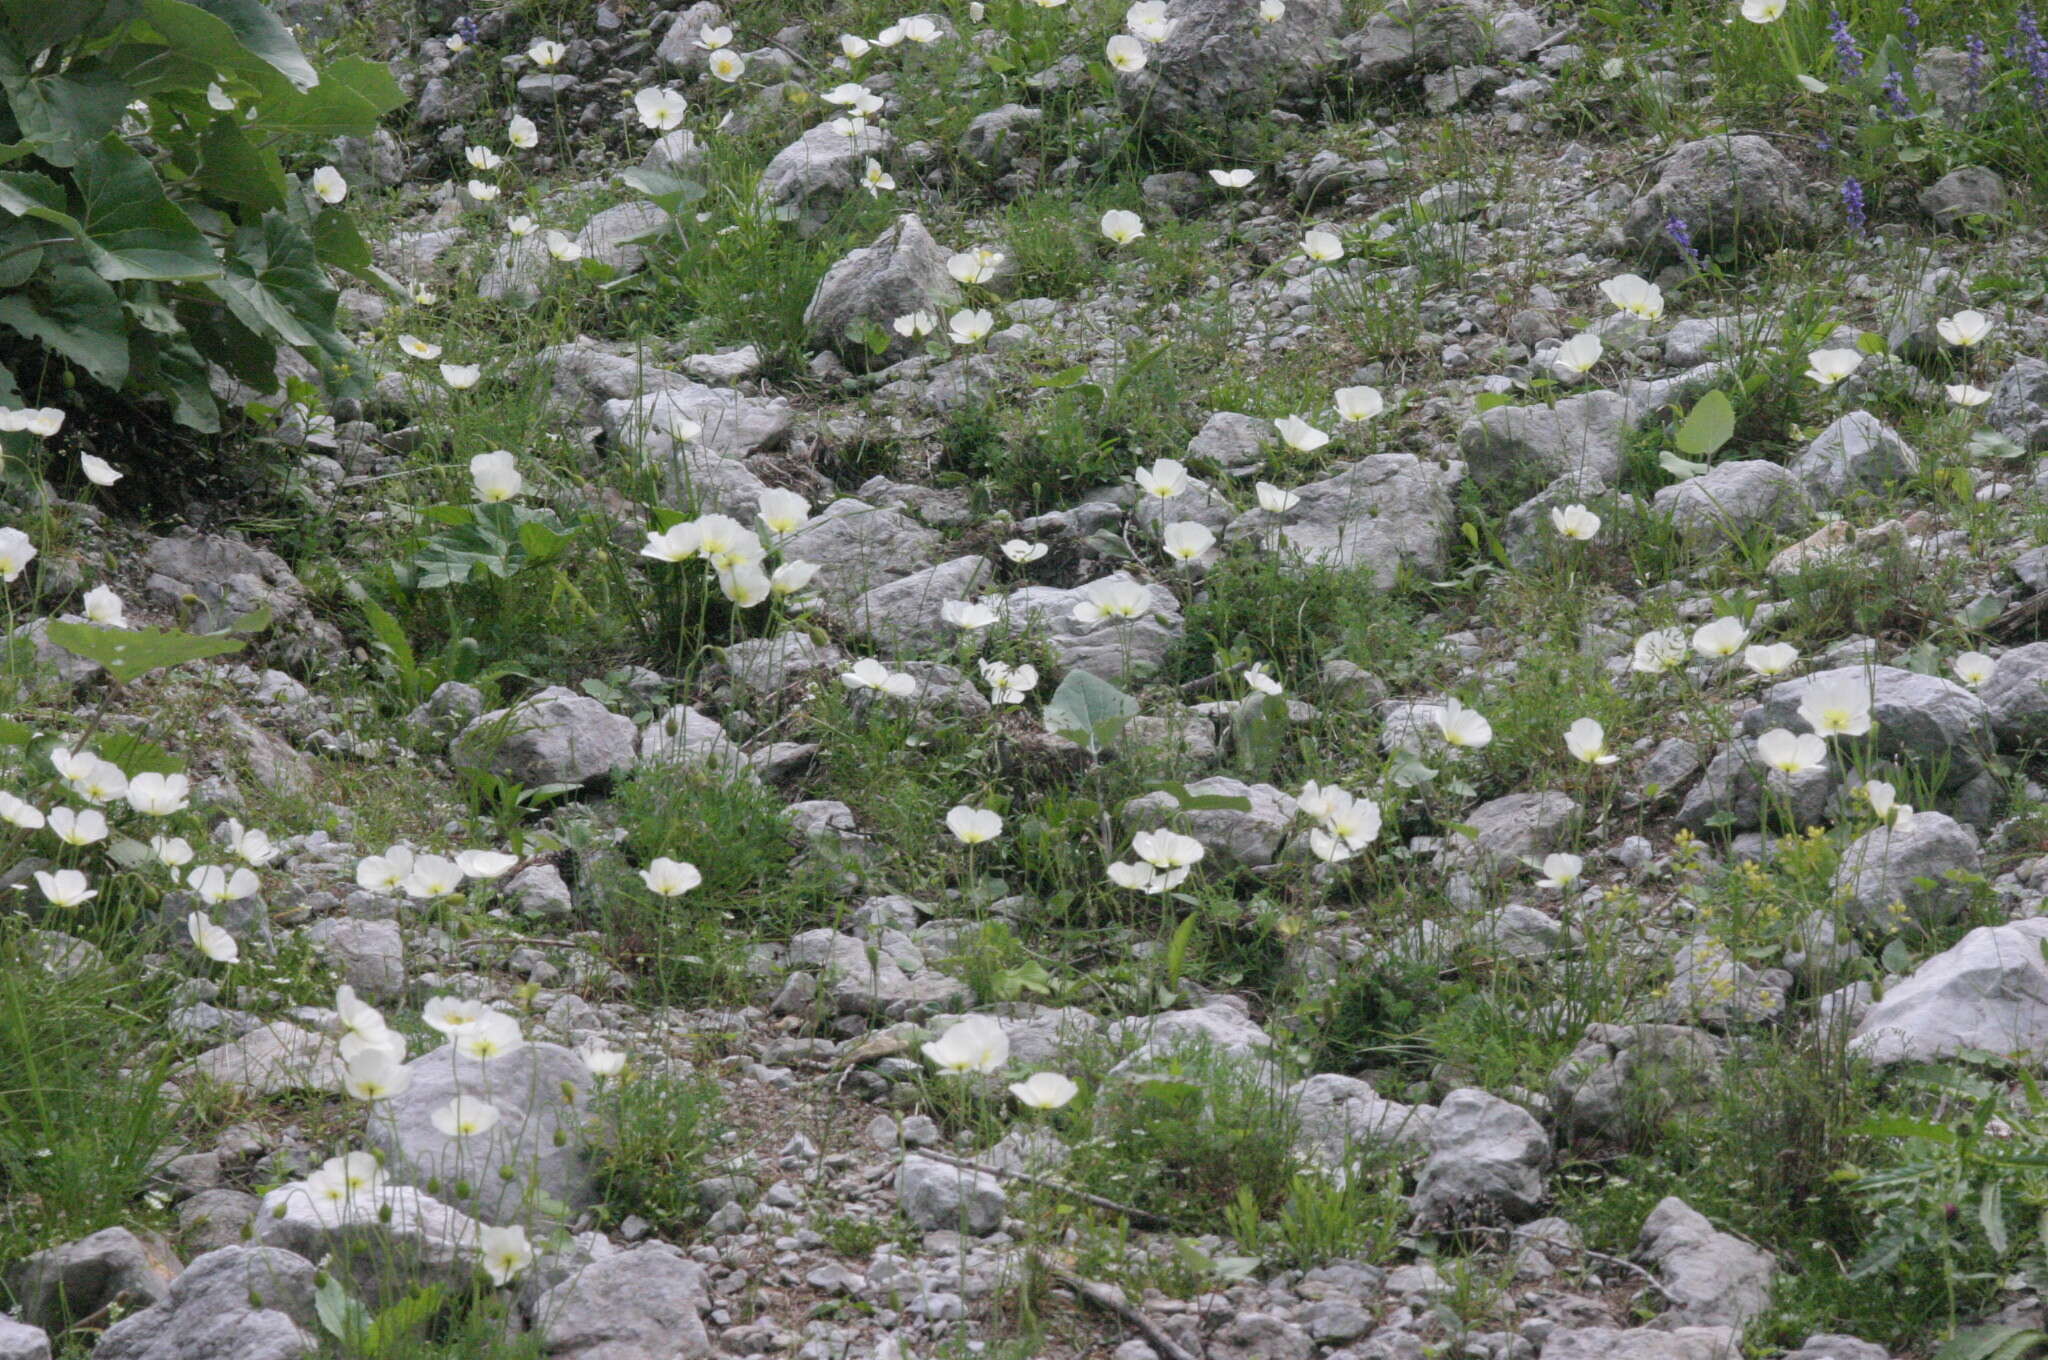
(974, 826)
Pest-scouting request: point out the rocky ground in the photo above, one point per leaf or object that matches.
(964, 733)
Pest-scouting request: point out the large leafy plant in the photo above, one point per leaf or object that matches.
(149, 227)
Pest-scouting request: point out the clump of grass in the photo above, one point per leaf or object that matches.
(656, 1138)
(1200, 1133)
(81, 1075)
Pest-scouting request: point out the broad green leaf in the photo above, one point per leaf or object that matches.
(1709, 425)
(542, 542)
(170, 365)
(1066, 377)
(14, 733)
(137, 755)
(274, 285)
(152, 68)
(235, 35)
(128, 654)
(220, 336)
(1991, 1218)
(670, 193)
(353, 94)
(1680, 468)
(344, 1318)
(39, 24)
(234, 168)
(1902, 1126)
(339, 244)
(127, 228)
(62, 112)
(127, 219)
(1187, 801)
(1998, 1342)
(1487, 401)
(1088, 711)
(74, 314)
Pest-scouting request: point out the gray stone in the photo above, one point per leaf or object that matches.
(60, 1285)
(450, 708)
(1625, 1076)
(808, 181)
(904, 616)
(1519, 932)
(1529, 536)
(1200, 504)
(1968, 191)
(763, 667)
(1892, 875)
(642, 1304)
(860, 547)
(1857, 452)
(554, 737)
(1187, 737)
(207, 581)
(1249, 839)
(683, 737)
(1730, 796)
(1383, 513)
(1110, 648)
(1709, 985)
(1511, 829)
(1218, 1028)
(1734, 191)
(383, 1240)
(938, 1195)
(368, 955)
(1175, 193)
(995, 141)
(2018, 408)
(729, 424)
(19, 1341)
(1486, 1161)
(1234, 442)
(725, 367)
(674, 153)
(1710, 1278)
(1826, 1346)
(2017, 695)
(238, 1303)
(1926, 721)
(902, 271)
(213, 1219)
(539, 1090)
(1410, 38)
(540, 890)
(1580, 437)
(272, 1060)
(1639, 1343)
(1990, 992)
(1339, 1116)
(859, 980)
(1222, 62)
(678, 49)
(1732, 499)
(1259, 1336)
(613, 238)
(544, 91)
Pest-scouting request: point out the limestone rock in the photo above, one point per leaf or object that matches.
(1383, 513)
(1728, 191)
(556, 736)
(902, 271)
